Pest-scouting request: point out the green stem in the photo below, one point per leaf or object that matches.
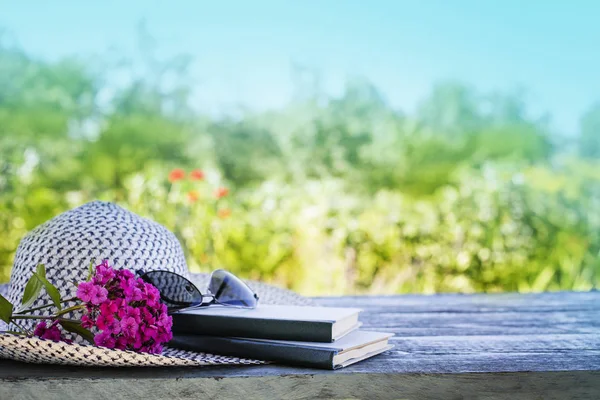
(14, 333)
(18, 327)
(46, 306)
(69, 309)
(25, 330)
(30, 317)
(76, 321)
(54, 316)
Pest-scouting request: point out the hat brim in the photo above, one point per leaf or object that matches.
(35, 350)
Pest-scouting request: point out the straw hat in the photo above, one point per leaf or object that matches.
(100, 230)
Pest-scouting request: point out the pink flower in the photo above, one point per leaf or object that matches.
(153, 297)
(147, 317)
(136, 343)
(52, 332)
(134, 313)
(129, 327)
(127, 274)
(105, 339)
(127, 312)
(87, 322)
(149, 332)
(109, 307)
(164, 337)
(162, 309)
(156, 348)
(132, 293)
(104, 273)
(99, 295)
(104, 321)
(40, 329)
(122, 312)
(114, 327)
(165, 321)
(85, 291)
(122, 343)
(136, 294)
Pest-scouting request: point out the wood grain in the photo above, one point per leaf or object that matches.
(514, 386)
(509, 346)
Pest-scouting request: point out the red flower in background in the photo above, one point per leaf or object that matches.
(224, 213)
(197, 175)
(221, 192)
(193, 196)
(176, 175)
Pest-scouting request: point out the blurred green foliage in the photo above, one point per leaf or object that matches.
(328, 196)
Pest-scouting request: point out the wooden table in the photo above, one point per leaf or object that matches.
(506, 346)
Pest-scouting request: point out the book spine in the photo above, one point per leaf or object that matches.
(215, 325)
(266, 351)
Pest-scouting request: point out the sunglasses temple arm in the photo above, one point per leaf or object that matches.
(207, 299)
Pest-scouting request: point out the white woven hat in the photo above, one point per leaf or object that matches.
(100, 230)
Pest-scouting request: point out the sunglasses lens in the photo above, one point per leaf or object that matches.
(230, 290)
(175, 290)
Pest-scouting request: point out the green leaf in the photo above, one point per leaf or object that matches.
(32, 291)
(75, 327)
(91, 270)
(6, 310)
(41, 270)
(50, 288)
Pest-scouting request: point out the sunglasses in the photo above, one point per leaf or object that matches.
(179, 293)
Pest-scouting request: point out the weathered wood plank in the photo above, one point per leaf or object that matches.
(510, 386)
(498, 344)
(461, 315)
(459, 303)
(447, 346)
(395, 361)
(444, 324)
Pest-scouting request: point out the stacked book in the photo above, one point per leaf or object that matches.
(320, 337)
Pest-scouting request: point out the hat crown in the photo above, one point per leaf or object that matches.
(67, 244)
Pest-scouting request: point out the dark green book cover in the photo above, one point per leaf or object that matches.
(302, 323)
(353, 347)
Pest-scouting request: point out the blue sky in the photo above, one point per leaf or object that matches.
(244, 50)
